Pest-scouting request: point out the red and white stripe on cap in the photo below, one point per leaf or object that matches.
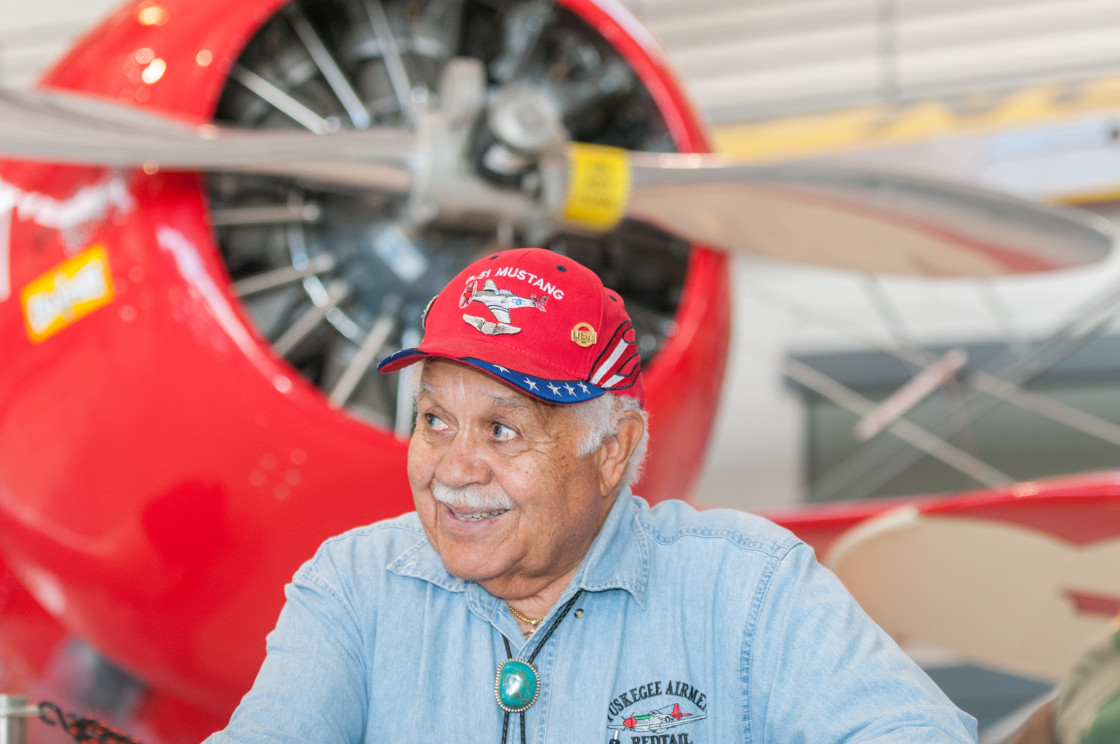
(619, 364)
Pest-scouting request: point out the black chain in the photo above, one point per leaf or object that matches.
(83, 730)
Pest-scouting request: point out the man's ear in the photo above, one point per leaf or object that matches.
(614, 453)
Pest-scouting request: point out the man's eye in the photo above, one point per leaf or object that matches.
(434, 422)
(503, 433)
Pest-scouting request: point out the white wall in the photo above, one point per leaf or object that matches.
(755, 457)
(33, 34)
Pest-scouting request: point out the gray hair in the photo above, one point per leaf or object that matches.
(600, 417)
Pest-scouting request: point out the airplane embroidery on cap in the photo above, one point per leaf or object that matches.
(499, 302)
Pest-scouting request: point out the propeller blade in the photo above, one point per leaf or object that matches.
(63, 127)
(823, 215)
(831, 216)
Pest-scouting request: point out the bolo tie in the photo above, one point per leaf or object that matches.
(517, 684)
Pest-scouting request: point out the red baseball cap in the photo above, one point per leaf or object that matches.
(536, 320)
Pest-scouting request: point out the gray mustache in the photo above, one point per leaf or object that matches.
(472, 497)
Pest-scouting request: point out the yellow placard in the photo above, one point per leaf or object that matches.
(66, 293)
(598, 186)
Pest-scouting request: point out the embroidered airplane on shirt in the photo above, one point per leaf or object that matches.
(658, 720)
(499, 302)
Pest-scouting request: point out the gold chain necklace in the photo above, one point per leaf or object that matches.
(524, 618)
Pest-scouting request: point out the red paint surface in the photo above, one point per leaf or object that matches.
(1088, 603)
(1080, 509)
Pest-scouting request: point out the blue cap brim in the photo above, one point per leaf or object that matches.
(541, 388)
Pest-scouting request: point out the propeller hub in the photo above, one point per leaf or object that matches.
(525, 120)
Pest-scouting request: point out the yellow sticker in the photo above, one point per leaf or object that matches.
(66, 293)
(598, 185)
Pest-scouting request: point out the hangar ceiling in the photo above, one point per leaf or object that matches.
(743, 60)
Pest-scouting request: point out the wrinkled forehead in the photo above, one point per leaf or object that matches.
(438, 378)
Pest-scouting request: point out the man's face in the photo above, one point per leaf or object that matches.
(528, 506)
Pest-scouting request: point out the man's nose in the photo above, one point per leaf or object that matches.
(463, 462)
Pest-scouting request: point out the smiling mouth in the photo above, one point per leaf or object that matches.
(472, 503)
(475, 516)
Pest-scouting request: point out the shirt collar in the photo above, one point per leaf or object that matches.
(421, 561)
(619, 557)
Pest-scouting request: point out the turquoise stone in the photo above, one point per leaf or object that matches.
(516, 686)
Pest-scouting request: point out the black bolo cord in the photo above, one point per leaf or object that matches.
(533, 656)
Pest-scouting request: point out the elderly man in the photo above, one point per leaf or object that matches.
(533, 598)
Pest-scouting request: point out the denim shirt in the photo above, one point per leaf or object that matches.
(693, 627)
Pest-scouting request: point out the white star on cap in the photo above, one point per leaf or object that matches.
(583, 386)
(500, 367)
(532, 385)
(571, 390)
(555, 390)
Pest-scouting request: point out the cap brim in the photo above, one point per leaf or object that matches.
(541, 388)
